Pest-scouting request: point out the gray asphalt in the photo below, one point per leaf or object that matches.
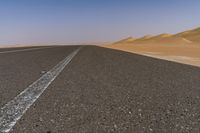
(20, 69)
(103, 90)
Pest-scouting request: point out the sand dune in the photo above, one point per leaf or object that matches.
(183, 47)
(142, 39)
(163, 39)
(192, 35)
(126, 40)
(187, 37)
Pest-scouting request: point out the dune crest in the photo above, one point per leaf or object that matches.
(187, 37)
(183, 47)
(192, 35)
(127, 40)
(143, 38)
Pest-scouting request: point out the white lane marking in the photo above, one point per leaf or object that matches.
(21, 50)
(14, 110)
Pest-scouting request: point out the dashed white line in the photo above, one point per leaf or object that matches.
(14, 110)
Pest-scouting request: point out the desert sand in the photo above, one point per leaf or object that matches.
(183, 47)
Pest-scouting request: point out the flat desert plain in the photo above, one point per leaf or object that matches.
(182, 47)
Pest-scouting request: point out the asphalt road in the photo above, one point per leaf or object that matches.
(23, 48)
(20, 69)
(102, 90)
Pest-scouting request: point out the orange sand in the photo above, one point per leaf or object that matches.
(183, 47)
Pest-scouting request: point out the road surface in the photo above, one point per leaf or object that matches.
(83, 89)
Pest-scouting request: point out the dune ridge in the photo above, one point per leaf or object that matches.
(183, 47)
(192, 35)
(126, 40)
(187, 37)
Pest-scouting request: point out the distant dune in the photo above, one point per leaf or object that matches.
(126, 40)
(187, 37)
(192, 35)
(183, 47)
(18, 45)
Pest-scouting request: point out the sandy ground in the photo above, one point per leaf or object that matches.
(186, 54)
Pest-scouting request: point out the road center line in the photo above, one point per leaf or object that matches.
(14, 110)
(21, 50)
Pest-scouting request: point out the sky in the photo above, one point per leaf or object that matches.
(92, 21)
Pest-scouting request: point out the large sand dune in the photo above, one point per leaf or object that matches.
(192, 35)
(163, 39)
(187, 37)
(126, 40)
(183, 47)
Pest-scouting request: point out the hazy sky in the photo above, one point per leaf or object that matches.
(75, 21)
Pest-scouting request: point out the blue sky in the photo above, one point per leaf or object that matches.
(85, 21)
